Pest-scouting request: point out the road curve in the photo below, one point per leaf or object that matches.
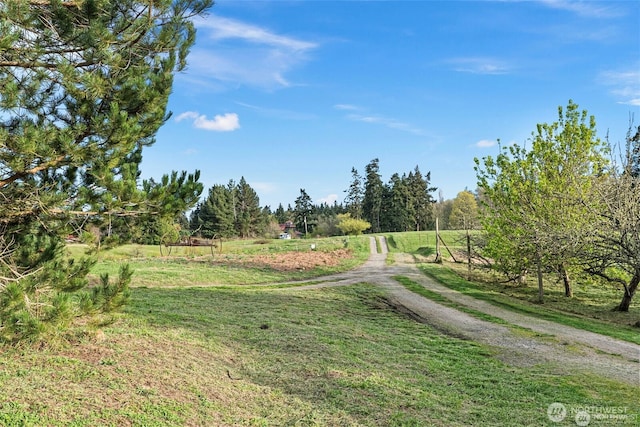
(568, 349)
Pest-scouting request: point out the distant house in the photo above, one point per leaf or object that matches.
(288, 227)
(285, 236)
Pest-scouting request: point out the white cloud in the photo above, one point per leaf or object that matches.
(329, 199)
(625, 85)
(264, 187)
(479, 65)
(236, 53)
(584, 8)
(485, 143)
(220, 123)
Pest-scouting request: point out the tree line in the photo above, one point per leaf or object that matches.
(404, 203)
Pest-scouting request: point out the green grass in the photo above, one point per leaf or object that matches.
(277, 357)
(194, 266)
(591, 308)
(184, 355)
(228, 247)
(617, 325)
(434, 296)
(423, 241)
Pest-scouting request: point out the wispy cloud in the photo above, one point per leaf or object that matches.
(479, 65)
(225, 28)
(277, 112)
(357, 114)
(220, 123)
(385, 121)
(347, 107)
(485, 143)
(625, 85)
(237, 54)
(589, 9)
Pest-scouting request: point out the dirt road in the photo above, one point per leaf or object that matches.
(567, 348)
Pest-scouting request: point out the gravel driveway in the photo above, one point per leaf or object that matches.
(568, 349)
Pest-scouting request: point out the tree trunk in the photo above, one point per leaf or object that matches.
(540, 284)
(568, 292)
(469, 253)
(629, 292)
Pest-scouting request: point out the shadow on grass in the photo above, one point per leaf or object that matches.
(425, 251)
(391, 242)
(347, 353)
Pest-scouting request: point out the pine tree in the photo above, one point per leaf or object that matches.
(214, 216)
(355, 194)
(85, 86)
(249, 218)
(303, 211)
(373, 192)
(396, 215)
(421, 199)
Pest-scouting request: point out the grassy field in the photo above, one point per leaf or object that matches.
(196, 266)
(278, 357)
(183, 354)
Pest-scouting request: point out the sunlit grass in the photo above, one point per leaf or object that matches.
(195, 266)
(275, 357)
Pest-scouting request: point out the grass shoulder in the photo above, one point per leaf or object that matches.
(577, 313)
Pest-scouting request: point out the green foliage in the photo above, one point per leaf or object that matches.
(533, 210)
(373, 193)
(355, 194)
(352, 226)
(230, 211)
(404, 204)
(464, 211)
(303, 212)
(82, 95)
(108, 297)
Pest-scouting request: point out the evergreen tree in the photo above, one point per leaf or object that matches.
(396, 213)
(632, 163)
(303, 212)
(421, 205)
(355, 195)
(85, 87)
(249, 218)
(373, 192)
(214, 216)
(281, 215)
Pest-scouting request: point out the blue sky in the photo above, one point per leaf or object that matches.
(293, 94)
